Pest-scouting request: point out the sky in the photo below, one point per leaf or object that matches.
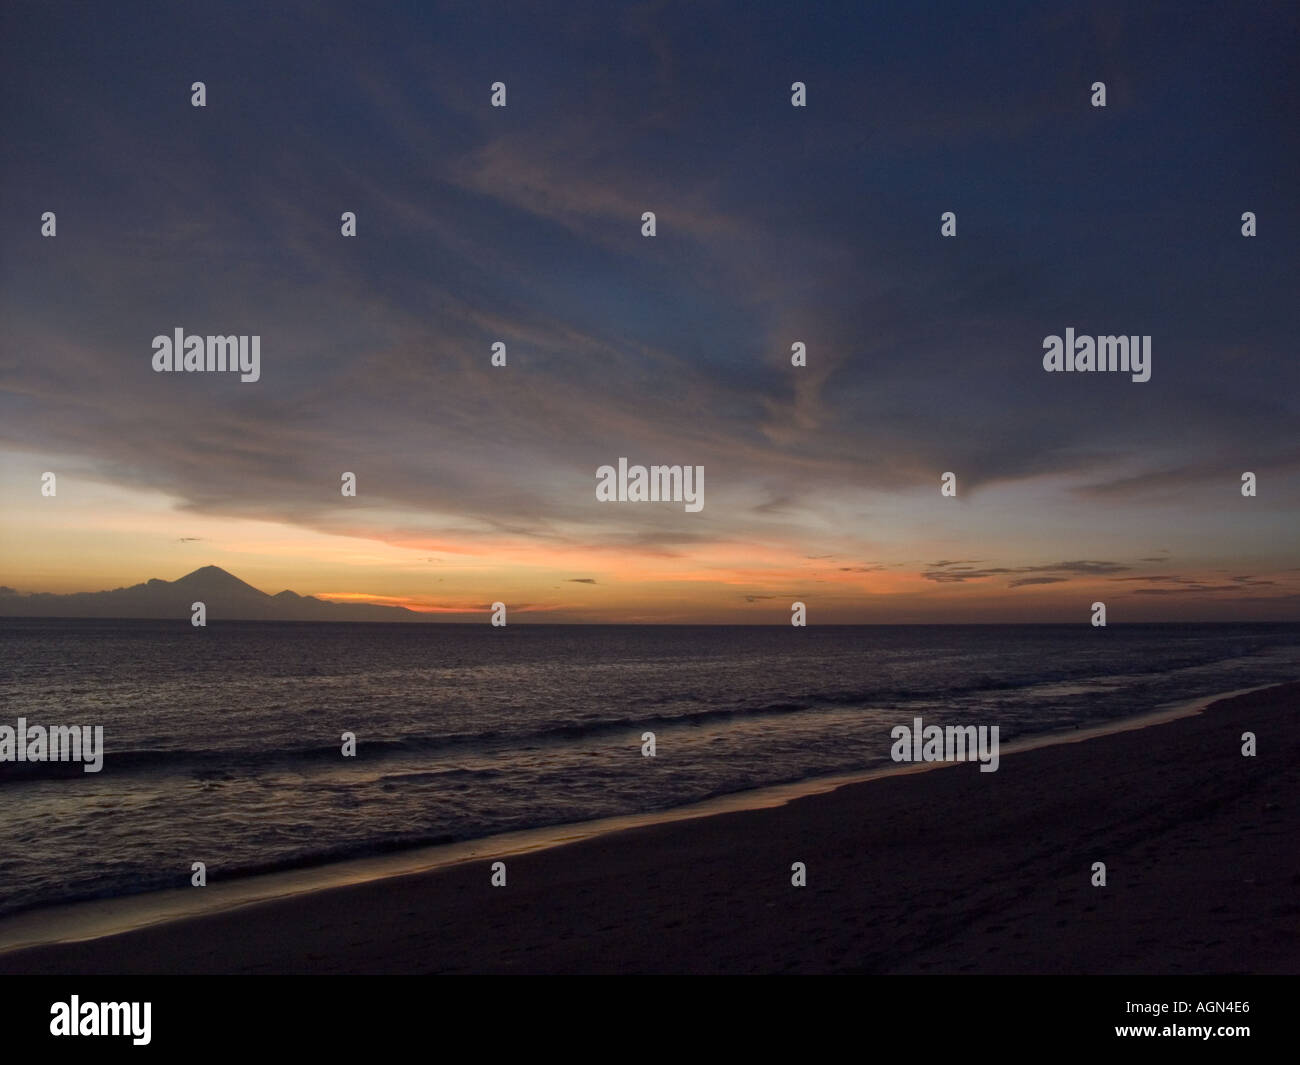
(774, 224)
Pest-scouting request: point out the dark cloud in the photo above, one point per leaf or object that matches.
(965, 573)
(1191, 589)
(1193, 583)
(1089, 568)
(958, 576)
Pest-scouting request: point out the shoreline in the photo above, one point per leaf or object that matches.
(91, 920)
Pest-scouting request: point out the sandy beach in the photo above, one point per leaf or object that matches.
(943, 871)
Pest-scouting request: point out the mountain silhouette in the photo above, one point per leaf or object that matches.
(225, 597)
(215, 579)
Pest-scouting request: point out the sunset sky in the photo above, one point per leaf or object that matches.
(775, 224)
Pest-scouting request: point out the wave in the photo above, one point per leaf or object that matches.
(229, 763)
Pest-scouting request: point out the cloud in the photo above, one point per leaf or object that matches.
(581, 580)
(1271, 454)
(1192, 589)
(1085, 567)
(1192, 583)
(960, 576)
(964, 573)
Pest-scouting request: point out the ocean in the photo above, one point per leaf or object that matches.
(223, 744)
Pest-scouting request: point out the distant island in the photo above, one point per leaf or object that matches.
(225, 596)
